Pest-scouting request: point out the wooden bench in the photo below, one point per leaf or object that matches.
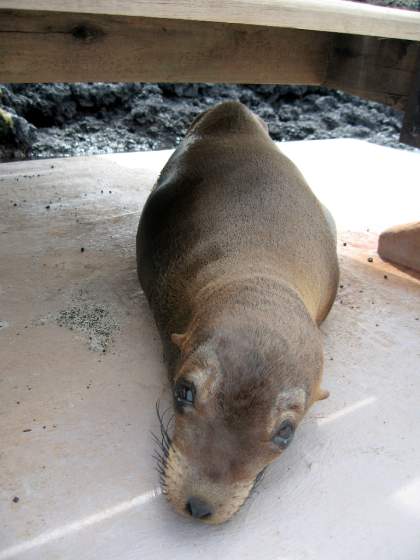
(362, 49)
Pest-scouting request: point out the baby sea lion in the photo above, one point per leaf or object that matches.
(238, 261)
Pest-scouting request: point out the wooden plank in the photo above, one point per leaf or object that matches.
(59, 47)
(339, 16)
(377, 69)
(410, 132)
(35, 47)
(401, 245)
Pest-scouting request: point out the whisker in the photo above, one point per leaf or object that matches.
(164, 445)
(258, 479)
(156, 439)
(160, 458)
(164, 413)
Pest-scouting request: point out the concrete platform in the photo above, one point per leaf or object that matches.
(81, 370)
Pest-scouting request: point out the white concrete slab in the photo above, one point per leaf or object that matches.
(349, 487)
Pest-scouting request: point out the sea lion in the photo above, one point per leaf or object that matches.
(238, 261)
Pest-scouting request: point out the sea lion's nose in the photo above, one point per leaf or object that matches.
(198, 508)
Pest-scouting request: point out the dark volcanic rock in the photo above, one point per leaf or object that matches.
(404, 4)
(17, 135)
(53, 120)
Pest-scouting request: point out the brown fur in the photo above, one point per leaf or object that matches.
(238, 261)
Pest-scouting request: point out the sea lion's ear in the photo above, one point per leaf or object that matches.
(179, 339)
(322, 394)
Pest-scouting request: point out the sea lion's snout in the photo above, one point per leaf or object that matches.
(200, 479)
(198, 508)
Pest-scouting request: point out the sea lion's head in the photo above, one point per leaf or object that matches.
(239, 397)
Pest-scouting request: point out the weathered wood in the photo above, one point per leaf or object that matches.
(339, 16)
(410, 132)
(43, 46)
(401, 245)
(377, 69)
(59, 47)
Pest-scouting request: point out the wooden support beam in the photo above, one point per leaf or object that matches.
(62, 47)
(373, 68)
(54, 47)
(337, 16)
(410, 132)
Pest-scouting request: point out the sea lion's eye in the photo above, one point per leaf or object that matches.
(184, 393)
(284, 434)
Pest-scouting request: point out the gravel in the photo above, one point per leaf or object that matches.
(94, 321)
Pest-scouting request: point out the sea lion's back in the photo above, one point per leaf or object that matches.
(232, 196)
